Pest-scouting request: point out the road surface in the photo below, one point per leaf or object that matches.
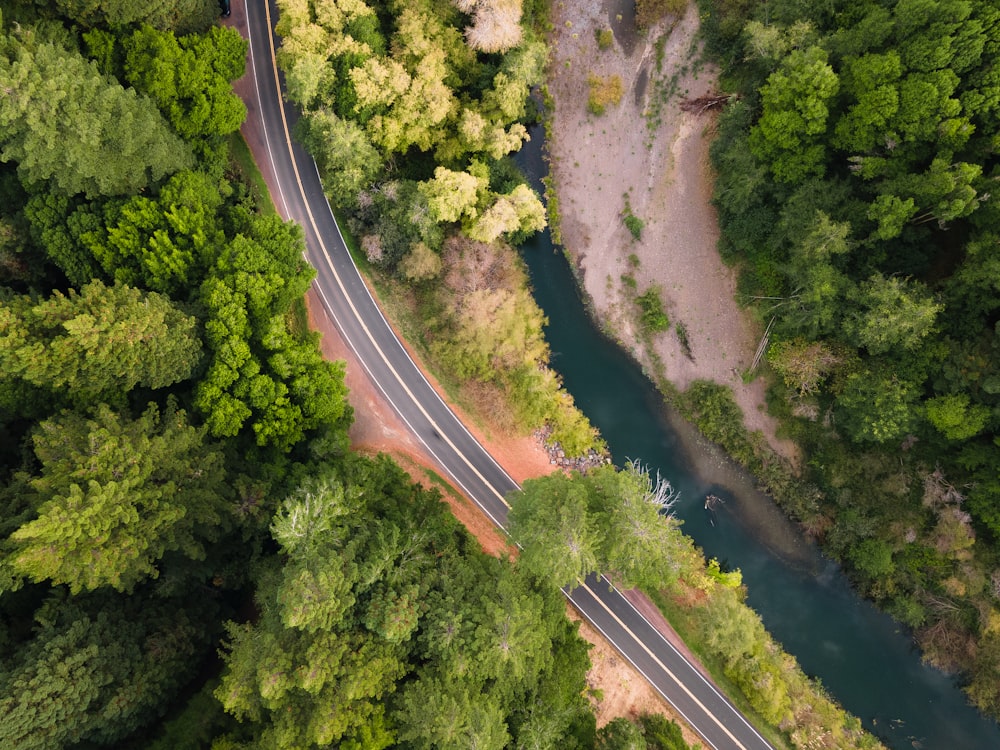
(348, 302)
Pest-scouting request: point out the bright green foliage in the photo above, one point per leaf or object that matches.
(795, 98)
(189, 77)
(114, 495)
(98, 343)
(651, 315)
(95, 670)
(956, 417)
(451, 195)
(366, 99)
(518, 212)
(258, 372)
(895, 314)
(876, 407)
(569, 527)
(892, 213)
(872, 80)
(163, 243)
(111, 141)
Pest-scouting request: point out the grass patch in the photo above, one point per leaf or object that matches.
(682, 336)
(246, 171)
(634, 225)
(604, 91)
(297, 319)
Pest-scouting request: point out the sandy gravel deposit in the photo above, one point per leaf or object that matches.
(648, 149)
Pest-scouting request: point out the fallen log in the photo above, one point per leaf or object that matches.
(704, 103)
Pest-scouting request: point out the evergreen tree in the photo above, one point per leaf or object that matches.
(69, 126)
(97, 669)
(114, 495)
(98, 343)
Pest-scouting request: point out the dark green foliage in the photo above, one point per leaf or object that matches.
(96, 669)
(620, 734)
(110, 140)
(874, 247)
(661, 733)
(199, 722)
(182, 16)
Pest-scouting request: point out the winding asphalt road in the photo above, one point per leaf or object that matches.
(347, 300)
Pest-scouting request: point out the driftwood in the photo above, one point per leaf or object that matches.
(704, 103)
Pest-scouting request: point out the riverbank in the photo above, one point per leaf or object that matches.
(649, 158)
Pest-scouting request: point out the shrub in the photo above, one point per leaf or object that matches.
(652, 318)
(603, 91)
(605, 38)
(634, 225)
(648, 12)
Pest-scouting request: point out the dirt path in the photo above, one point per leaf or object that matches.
(657, 155)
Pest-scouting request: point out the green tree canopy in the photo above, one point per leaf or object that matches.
(97, 343)
(113, 495)
(789, 135)
(96, 670)
(602, 522)
(71, 127)
(189, 77)
(181, 16)
(383, 617)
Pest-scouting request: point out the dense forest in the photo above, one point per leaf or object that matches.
(190, 555)
(857, 161)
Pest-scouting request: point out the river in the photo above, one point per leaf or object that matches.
(864, 659)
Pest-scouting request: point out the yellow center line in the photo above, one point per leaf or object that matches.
(662, 666)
